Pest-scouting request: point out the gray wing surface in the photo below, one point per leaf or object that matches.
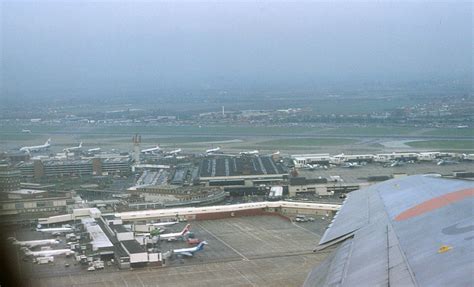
(412, 231)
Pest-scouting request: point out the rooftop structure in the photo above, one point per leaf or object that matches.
(239, 166)
(99, 238)
(58, 168)
(27, 201)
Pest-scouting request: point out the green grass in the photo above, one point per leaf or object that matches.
(34, 128)
(443, 144)
(469, 132)
(221, 131)
(204, 130)
(370, 131)
(307, 142)
(19, 136)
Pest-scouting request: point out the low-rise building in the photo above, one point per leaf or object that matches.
(321, 186)
(84, 167)
(34, 201)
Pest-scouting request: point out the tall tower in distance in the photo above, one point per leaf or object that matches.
(223, 111)
(136, 139)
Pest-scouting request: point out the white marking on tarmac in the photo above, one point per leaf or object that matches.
(141, 282)
(301, 227)
(243, 275)
(121, 277)
(223, 242)
(246, 231)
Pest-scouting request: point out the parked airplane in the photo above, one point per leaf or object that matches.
(397, 163)
(446, 162)
(351, 165)
(34, 243)
(151, 150)
(213, 150)
(55, 230)
(163, 223)
(69, 149)
(44, 253)
(249, 152)
(311, 166)
(175, 236)
(174, 152)
(26, 131)
(34, 148)
(92, 150)
(190, 251)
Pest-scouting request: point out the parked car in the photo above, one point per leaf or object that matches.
(301, 218)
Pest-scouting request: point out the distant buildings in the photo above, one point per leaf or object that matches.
(9, 178)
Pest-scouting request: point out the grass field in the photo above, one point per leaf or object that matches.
(443, 144)
(371, 131)
(450, 132)
(220, 132)
(307, 142)
(204, 130)
(19, 136)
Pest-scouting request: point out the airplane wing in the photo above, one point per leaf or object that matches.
(412, 231)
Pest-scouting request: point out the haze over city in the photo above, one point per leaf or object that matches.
(87, 49)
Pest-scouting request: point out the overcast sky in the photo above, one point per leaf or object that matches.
(53, 48)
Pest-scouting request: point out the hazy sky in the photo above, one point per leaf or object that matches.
(54, 48)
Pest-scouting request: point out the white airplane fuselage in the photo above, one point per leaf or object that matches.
(163, 223)
(34, 243)
(212, 150)
(69, 149)
(191, 250)
(34, 148)
(55, 230)
(53, 252)
(97, 149)
(150, 150)
(174, 152)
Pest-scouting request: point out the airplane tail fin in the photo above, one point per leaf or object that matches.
(80, 144)
(48, 142)
(201, 245)
(26, 251)
(186, 229)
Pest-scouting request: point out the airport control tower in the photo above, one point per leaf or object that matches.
(136, 139)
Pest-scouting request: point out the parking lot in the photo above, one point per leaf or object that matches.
(246, 251)
(248, 238)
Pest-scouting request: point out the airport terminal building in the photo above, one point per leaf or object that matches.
(240, 171)
(83, 167)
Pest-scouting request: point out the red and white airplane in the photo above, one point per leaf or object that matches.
(175, 236)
